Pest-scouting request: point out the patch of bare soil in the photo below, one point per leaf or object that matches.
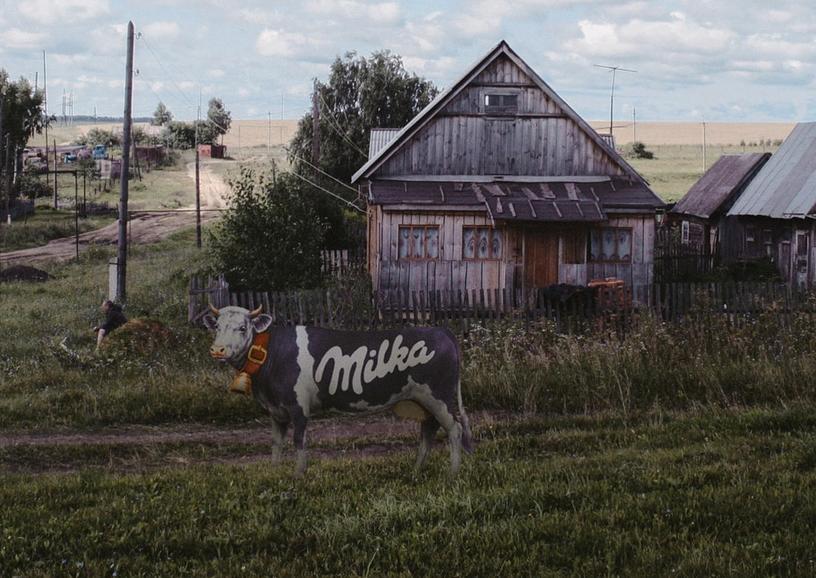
(23, 273)
(328, 438)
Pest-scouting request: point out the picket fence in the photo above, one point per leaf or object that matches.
(571, 309)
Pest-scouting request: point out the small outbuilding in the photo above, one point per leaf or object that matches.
(213, 151)
(775, 215)
(700, 212)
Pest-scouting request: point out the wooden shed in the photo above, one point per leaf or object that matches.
(497, 184)
(702, 209)
(774, 217)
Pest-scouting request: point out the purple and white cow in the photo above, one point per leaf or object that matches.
(296, 372)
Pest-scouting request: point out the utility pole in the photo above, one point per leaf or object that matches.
(45, 106)
(315, 127)
(197, 177)
(3, 167)
(121, 261)
(283, 106)
(705, 164)
(634, 125)
(269, 133)
(614, 70)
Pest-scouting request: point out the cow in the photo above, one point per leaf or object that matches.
(297, 372)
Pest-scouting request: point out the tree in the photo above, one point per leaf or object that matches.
(361, 94)
(161, 116)
(178, 135)
(219, 118)
(270, 236)
(22, 118)
(99, 136)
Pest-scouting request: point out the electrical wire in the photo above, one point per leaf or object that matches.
(337, 128)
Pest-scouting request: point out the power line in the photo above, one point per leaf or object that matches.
(321, 171)
(327, 191)
(336, 126)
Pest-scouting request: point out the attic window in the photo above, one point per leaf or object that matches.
(501, 103)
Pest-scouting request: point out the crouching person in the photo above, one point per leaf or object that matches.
(114, 318)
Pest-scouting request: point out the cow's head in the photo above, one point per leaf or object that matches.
(235, 328)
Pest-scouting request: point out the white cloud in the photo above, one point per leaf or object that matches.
(62, 11)
(22, 39)
(382, 13)
(161, 31)
(282, 43)
(215, 73)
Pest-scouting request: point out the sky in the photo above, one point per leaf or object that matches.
(720, 60)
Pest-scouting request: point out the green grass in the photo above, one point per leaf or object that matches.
(45, 225)
(676, 168)
(724, 493)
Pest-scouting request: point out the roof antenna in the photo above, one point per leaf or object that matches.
(614, 70)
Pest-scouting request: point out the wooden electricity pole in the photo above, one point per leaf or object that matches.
(3, 158)
(315, 127)
(121, 261)
(197, 177)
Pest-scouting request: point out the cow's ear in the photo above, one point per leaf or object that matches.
(261, 323)
(210, 322)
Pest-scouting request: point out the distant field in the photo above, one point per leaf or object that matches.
(691, 133)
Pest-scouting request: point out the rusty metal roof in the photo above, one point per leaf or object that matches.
(785, 187)
(563, 201)
(720, 184)
(378, 138)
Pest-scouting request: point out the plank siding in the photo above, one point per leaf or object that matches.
(462, 140)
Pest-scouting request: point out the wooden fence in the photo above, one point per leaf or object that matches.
(571, 311)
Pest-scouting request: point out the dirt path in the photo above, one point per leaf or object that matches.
(144, 227)
(146, 448)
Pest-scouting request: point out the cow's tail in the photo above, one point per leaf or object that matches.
(467, 437)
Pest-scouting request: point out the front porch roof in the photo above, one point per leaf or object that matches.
(576, 199)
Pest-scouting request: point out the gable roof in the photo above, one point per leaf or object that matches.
(727, 177)
(785, 187)
(443, 98)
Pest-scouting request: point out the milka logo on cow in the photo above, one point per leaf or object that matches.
(365, 365)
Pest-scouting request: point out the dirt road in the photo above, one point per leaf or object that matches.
(136, 448)
(144, 227)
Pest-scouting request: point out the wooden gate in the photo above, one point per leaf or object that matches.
(541, 258)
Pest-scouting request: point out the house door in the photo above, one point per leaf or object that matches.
(541, 258)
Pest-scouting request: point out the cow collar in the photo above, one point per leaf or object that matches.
(258, 352)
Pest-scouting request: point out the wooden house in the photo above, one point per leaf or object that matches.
(774, 217)
(699, 214)
(498, 184)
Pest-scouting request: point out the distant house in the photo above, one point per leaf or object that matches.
(774, 217)
(701, 211)
(213, 151)
(498, 184)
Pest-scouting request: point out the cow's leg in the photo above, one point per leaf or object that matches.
(299, 426)
(443, 415)
(278, 438)
(427, 433)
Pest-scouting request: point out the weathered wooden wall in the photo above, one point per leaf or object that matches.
(463, 140)
(451, 272)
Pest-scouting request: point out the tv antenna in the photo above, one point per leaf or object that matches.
(614, 70)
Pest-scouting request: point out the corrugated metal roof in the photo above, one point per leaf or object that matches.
(531, 201)
(785, 187)
(378, 138)
(719, 183)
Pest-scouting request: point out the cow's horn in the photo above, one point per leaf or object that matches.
(214, 310)
(256, 312)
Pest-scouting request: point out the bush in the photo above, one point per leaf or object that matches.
(637, 150)
(270, 237)
(32, 186)
(99, 136)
